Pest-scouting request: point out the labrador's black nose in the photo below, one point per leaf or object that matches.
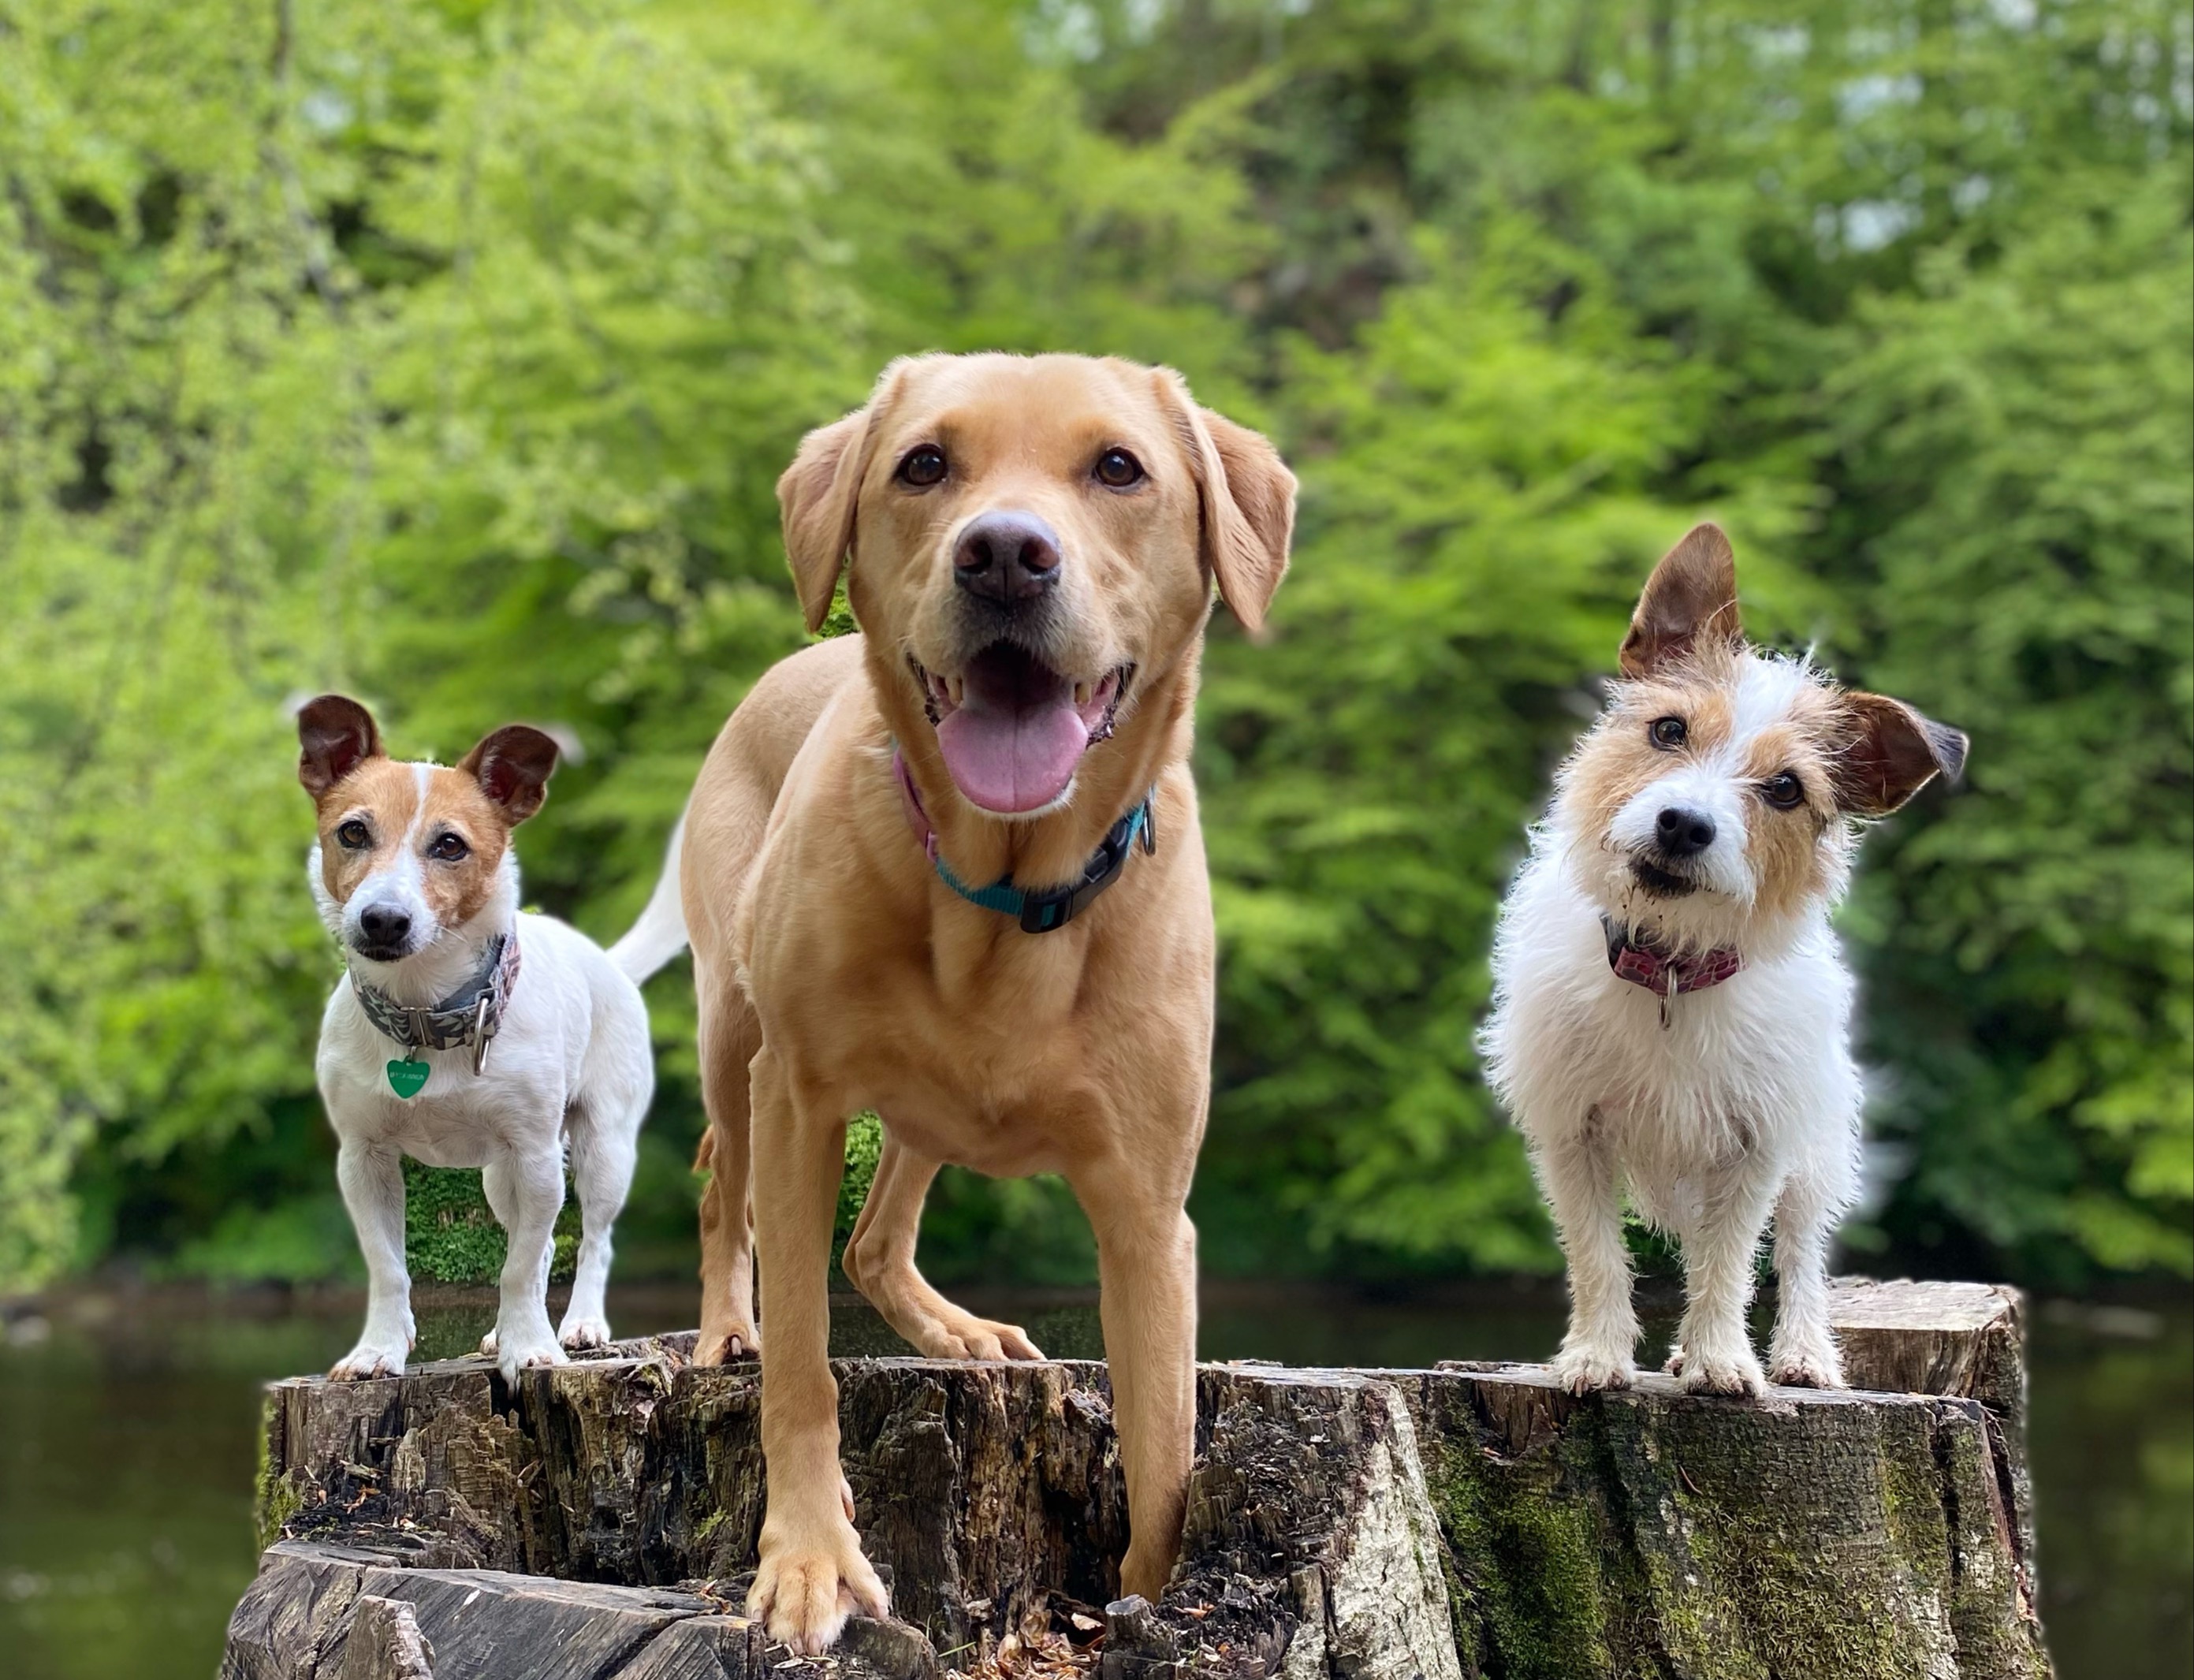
(1683, 834)
(384, 928)
(1006, 557)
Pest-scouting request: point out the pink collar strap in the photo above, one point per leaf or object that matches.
(1663, 973)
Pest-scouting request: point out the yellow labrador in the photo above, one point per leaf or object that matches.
(950, 870)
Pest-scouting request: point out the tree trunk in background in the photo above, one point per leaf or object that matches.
(1425, 1524)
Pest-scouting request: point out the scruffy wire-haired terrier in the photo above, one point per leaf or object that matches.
(1671, 1011)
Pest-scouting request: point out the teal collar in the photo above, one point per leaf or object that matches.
(1038, 913)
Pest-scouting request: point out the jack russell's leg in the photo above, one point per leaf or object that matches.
(603, 1149)
(1577, 1172)
(1803, 1354)
(533, 1185)
(1718, 1271)
(812, 1573)
(880, 1261)
(372, 1183)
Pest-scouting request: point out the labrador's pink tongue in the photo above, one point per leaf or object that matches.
(1013, 758)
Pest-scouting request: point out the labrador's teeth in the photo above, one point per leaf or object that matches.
(955, 687)
(1082, 694)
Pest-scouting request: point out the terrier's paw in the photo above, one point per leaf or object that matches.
(366, 1361)
(584, 1332)
(1674, 1365)
(1590, 1370)
(1813, 1368)
(1724, 1373)
(487, 1344)
(802, 1594)
(516, 1352)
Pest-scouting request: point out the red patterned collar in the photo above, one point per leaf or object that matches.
(1663, 973)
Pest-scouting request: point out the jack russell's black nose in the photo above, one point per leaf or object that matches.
(1006, 557)
(1682, 834)
(384, 928)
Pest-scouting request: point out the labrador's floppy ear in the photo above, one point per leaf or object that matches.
(1690, 600)
(816, 498)
(1893, 753)
(513, 767)
(336, 734)
(1248, 496)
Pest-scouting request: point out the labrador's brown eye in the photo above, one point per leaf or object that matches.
(448, 848)
(1668, 732)
(1117, 469)
(922, 467)
(1783, 791)
(353, 836)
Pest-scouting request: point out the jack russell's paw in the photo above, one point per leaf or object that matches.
(1589, 1371)
(366, 1361)
(1728, 1373)
(1813, 1368)
(726, 1344)
(584, 1332)
(487, 1344)
(517, 1353)
(802, 1593)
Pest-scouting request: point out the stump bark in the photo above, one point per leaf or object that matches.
(1465, 1522)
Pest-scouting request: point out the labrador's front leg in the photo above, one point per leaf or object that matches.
(812, 1572)
(1147, 1275)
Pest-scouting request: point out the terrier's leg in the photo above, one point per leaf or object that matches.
(372, 1183)
(534, 1183)
(1803, 1354)
(1718, 1262)
(602, 1153)
(1578, 1175)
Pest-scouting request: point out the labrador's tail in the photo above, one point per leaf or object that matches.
(660, 933)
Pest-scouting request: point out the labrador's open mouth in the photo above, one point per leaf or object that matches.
(1012, 729)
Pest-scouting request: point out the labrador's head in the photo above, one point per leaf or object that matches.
(1034, 542)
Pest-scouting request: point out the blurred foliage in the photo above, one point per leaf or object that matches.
(447, 351)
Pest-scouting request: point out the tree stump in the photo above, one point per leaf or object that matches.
(1465, 1522)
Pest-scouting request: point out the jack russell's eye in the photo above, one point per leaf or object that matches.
(924, 465)
(353, 836)
(1117, 469)
(1783, 790)
(448, 848)
(1668, 732)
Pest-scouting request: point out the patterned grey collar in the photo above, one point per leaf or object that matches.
(472, 1015)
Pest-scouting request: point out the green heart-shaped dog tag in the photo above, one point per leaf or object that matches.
(407, 1079)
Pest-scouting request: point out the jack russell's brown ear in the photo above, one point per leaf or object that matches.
(336, 734)
(1893, 753)
(513, 767)
(1248, 498)
(1691, 600)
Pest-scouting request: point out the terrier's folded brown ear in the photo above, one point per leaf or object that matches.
(336, 735)
(1893, 753)
(1689, 602)
(513, 767)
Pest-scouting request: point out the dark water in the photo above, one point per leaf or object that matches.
(128, 1437)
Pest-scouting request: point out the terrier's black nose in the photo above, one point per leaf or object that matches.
(383, 927)
(1006, 557)
(1683, 834)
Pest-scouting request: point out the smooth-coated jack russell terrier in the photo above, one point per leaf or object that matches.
(466, 1034)
(1670, 1007)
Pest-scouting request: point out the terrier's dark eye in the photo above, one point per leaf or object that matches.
(1117, 469)
(924, 466)
(1783, 791)
(448, 848)
(353, 836)
(1668, 732)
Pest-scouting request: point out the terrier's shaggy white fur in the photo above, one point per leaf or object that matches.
(1706, 823)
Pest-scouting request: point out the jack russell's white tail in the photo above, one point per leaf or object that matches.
(659, 934)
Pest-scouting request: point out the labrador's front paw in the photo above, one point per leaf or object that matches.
(803, 1592)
